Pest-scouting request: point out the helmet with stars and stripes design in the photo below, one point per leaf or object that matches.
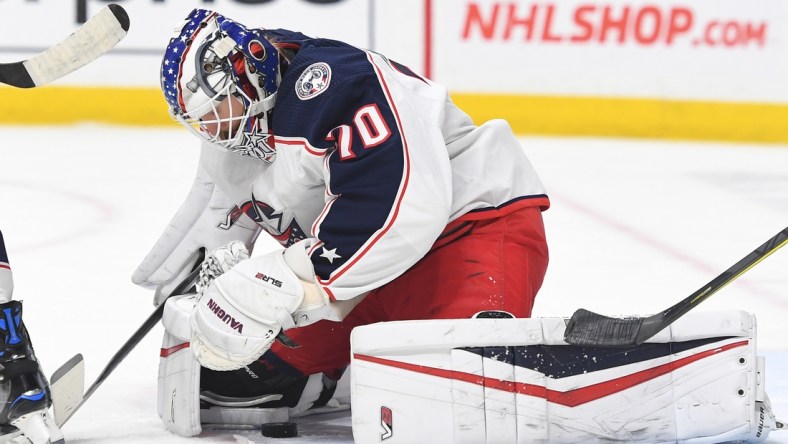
(220, 80)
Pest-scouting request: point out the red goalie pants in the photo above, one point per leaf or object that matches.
(476, 265)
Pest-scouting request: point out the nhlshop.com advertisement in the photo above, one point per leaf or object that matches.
(644, 25)
(696, 49)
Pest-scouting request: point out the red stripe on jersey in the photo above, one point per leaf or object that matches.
(406, 174)
(322, 214)
(329, 293)
(5, 265)
(569, 398)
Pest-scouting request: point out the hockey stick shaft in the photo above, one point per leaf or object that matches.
(186, 285)
(591, 329)
(728, 276)
(94, 38)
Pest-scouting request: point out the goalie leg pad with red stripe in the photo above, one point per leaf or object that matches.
(192, 398)
(178, 400)
(517, 381)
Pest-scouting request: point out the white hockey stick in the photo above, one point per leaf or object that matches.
(97, 36)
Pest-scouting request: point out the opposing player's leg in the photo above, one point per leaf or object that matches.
(6, 276)
(24, 390)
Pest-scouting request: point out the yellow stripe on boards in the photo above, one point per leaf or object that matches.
(544, 115)
(63, 105)
(624, 117)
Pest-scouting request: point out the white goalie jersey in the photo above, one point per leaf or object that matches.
(374, 165)
(373, 162)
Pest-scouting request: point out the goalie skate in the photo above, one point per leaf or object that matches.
(24, 390)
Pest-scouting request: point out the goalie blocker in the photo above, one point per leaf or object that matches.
(517, 381)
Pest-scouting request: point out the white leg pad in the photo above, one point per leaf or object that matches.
(179, 383)
(517, 381)
(179, 371)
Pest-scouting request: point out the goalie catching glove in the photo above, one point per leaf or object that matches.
(219, 262)
(241, 311)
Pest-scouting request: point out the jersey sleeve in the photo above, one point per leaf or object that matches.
(386, 172)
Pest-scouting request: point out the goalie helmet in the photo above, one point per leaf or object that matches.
(220, 80)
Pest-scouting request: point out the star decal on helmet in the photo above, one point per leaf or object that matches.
(257, 145)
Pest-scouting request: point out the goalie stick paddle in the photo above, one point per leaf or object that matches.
(587, 328)
(94, 38)
(67, 381)
(67, 386)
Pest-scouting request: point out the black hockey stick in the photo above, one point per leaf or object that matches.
(97, 36)
(587, 328)
(67, 381)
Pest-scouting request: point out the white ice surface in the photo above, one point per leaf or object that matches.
(635, 226)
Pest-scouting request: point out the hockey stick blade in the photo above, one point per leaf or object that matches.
(184, 287)
(67, 386)
(587, 328)
(94, 38)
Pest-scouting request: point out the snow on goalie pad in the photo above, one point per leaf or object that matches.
(515, 380)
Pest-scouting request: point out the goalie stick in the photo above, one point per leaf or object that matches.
(587, 328)
(94, 38)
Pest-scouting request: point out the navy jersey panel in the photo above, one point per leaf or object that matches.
(368, 174)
